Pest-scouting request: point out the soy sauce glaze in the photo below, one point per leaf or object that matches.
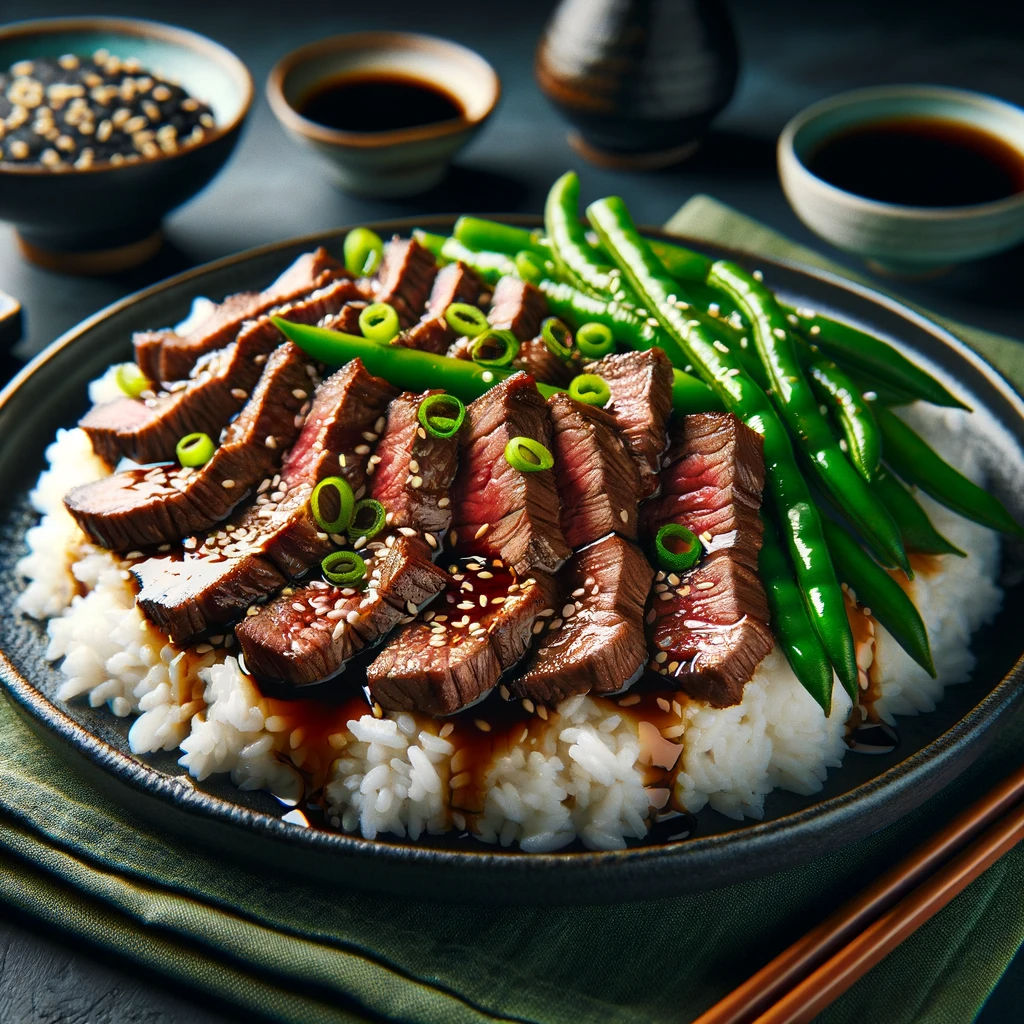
(379, 103)
(929, 162)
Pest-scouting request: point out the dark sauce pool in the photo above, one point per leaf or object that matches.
(928, 162)
(379, 103)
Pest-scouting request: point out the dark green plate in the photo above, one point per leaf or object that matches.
(866, 794)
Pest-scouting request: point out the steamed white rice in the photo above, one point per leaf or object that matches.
(581, 773)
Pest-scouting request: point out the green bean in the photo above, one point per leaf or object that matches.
(851, 346)
(837, 392)
(910, 456)
(573, 254)
(792, 628)
(491, 236)
(429, 240)
(799, 410)
(489, 266)
(915, 527)
(878, 593)
(683, 264)
(740, 394)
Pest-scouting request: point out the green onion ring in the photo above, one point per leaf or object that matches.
(677, 561)
(441, 415)
(527, 455)
(590, 389)
(195, 450)
(595, 341)
(368, 519)
(346, 501)
(131, 380)
(343, 568)
(465, 320)
(363, 250)
(379, 322)
(557, 337)
(495, 348)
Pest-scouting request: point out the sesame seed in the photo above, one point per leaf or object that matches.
(626, 702)
(443, 503)
(227, 484)
(362, 449)
(481, 531)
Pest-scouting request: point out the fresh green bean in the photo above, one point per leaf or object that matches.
(910, 456)
(429, 240)
(792, 628)
(915, 527)
(879, 593)
(740, 394)
(491, 236)
(851, 346)
(683, 264)
(799, 410)
(488, 266)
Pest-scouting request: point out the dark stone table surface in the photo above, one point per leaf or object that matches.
(793, 52)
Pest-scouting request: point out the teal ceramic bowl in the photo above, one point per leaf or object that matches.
(108, 218)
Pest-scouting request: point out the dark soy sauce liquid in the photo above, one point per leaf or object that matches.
(920, 162)
(379, 103)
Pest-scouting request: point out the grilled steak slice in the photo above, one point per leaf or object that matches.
(517, 307)
(501, 512)
(709, 625)
(307, 636)
(147, 430)
(165, 355)
(454, 283)
(452, 656)
(641, 386)
(598, 481)
(165, 503)
(346, 319)
(596, 643)
(405, 277)
(541, 363)
(410, 474)
(427, 335)
(251, 556)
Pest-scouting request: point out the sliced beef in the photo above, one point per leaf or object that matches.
(409, 474)
(164, 503)
(499, 511)
(427, 335)
(346, 320)
(454, 283)
(542, 364)
(252, 555)
(517, 306)
(709, 625)
(147, 430)
(597, 479)
(405, 277)
(641, 386)
(456, 651)
(167, 356)
(595, 643)
(307, 636)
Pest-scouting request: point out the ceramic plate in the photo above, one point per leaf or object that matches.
(866, 794)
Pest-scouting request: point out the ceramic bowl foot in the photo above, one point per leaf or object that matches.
(92, 262)
(619, 161)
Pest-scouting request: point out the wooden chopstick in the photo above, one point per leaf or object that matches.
(852, 925)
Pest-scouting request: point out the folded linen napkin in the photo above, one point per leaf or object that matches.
(273, 945)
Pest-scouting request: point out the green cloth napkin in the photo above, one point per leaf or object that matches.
(269, 944)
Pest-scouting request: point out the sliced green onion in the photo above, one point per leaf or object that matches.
(195, 450)
(527, 455)
(590, 389)
(495, 348)
(557, 337)
(595, 341)
(685, 549)
(131, 380)
(368, 518)
(363, 251)
(343, 568)
(465, 319)
(379, 322)
(441, 415)
(346, 502)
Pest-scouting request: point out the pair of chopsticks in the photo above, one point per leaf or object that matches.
(805, 978)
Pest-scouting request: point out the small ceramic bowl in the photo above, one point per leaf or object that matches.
(909, 240)
(386, 164)
(107, 218)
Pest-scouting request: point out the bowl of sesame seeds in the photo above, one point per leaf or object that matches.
(106, 125)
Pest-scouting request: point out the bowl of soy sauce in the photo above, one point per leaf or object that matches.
(387, 110)
(912, 178)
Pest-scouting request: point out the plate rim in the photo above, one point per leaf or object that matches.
(978, 725)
